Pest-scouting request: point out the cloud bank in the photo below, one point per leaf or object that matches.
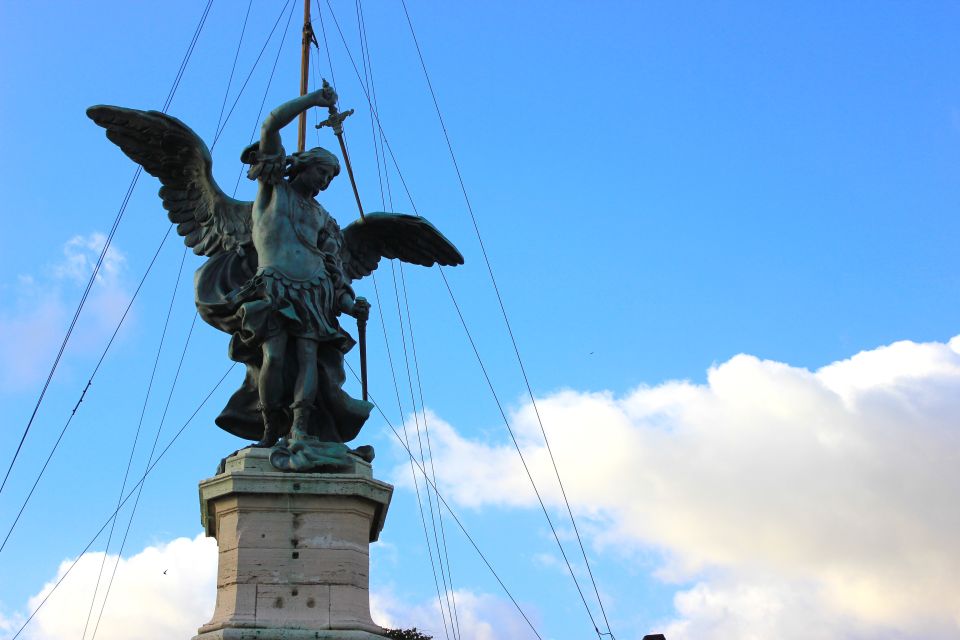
(784, 503)
(791, 497)
(165, 591)
(168, 591)
(40, 308)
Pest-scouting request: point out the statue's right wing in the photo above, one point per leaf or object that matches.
(394, 235)
(209, 220)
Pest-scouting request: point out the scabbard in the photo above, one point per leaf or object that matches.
(362, 341)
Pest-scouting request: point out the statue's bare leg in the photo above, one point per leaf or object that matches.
(271, 388)
(305, 391)
(310, 417)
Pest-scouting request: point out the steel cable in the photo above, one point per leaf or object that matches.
(175, 379)
(103, 253)
(450, 510)
(123, 502)
(476, 352)
(508, 326)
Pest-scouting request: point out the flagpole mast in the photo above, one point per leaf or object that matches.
(308, 37)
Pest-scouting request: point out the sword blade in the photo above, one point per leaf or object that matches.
(353, 182)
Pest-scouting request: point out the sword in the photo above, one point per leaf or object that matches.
(335, 122)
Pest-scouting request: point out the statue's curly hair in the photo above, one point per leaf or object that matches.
(273, 168)
(300, 160)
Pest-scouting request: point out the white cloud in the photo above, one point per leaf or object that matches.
(165, 591)
(39, 309)
(168, 591)
(838, 486)
(481, 616)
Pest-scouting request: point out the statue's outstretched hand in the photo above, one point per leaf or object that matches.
(325, 96)
(361, 310)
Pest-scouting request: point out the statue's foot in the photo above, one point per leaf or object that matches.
(310, 454)
(263, 443)
(364, 452)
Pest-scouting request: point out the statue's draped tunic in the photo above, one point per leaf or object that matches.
(296, 292)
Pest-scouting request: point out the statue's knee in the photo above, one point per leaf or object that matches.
(272, 358)
(307, 352)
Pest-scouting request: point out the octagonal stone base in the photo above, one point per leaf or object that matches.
(294, 550)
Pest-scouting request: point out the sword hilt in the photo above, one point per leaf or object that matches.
(335, 121)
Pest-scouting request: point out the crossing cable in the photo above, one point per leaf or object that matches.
(368, 77)
(378, 144)
(103, 253)
(450, 510)
(126, 474)
(384, 178)
(426, 429)
(125, 313)
(233, 68)
(84, 392)
(326, 45)
(129, 305)
(273, 71)
(516, 444)
(426, 486)
(136, 438)
(416, 418)
(413, 473)
(503, 311)
(175, 378)
(113, 515)
(449, 612)
(476, 352)
(450, 605)
(153, 449)
(219, 131)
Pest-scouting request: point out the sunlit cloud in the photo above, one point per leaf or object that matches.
(165, 591)
(168, 591)
(828, 493)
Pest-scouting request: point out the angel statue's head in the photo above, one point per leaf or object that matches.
(315, 168)
(309, 171)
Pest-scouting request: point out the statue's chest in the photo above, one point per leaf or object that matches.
(288, 212)
(306, 216)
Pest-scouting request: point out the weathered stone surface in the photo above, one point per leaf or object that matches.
(293, 564)
(255, 486)
(288, 634)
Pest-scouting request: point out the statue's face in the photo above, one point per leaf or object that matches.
(317, 177)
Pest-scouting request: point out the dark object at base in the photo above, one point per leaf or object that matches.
(408, 634)
(364, 452)
(310, 454)
(655, 636)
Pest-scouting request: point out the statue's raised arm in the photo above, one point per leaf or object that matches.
(269, 162)
(285, 113)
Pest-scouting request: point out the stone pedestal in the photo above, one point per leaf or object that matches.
(294, 550)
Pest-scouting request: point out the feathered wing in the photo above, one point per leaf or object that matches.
(209, 220)
(394, 235)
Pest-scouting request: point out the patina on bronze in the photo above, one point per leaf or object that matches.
(278, 276)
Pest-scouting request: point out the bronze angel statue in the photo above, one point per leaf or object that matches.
(279, 274)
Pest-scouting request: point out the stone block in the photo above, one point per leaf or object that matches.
(294, 556)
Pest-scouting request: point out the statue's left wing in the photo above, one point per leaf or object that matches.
(209, 220)
(394, 235)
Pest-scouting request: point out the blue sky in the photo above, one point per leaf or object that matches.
(660, 187)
